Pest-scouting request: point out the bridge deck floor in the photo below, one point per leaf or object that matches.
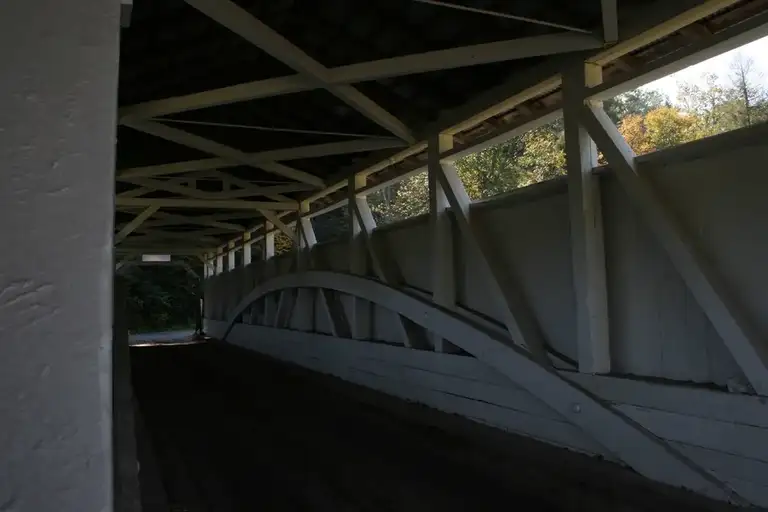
(225, 430)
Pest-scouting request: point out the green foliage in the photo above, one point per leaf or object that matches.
(406, 198)
(645, 117)
(536, 156)
(661, 128)
(160, 298)
(634, 103)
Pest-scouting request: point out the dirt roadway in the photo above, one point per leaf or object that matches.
(231, 431)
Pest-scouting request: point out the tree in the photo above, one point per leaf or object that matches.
(660, 128)
(637, 102)
(544, 155)
(536, 156)
(746, 98)
(160, 297)
(706, 102)
(645, 117)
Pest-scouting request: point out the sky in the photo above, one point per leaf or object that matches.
(757, 50)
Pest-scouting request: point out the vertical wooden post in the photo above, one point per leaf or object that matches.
(587, 247)
(358, 259)
(220, 261)
(268, 253)
(231, 256)
(247, 245)
(443, 270)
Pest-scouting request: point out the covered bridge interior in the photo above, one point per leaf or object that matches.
(590, 342)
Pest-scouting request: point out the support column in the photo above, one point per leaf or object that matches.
(443, 271)
(247, 249)
(220, 261)
(307, 238)
(358, 260)
(587, 248)
(59, 63)
(231, 256)
(268, 253)
(269, 241)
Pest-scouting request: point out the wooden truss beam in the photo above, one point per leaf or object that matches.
(626, 439)
(518, 319)
(213, 221)
(452, 58)
(311, 151)
(183, 190)
(384, 268)
(241, 22)
(500, 14)
(234, 155)
(441, 226)
(203, 203)
(587, 247)
(135, 223)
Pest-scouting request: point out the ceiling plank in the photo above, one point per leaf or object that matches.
(242, 23)
(234, 155)
(279, 224)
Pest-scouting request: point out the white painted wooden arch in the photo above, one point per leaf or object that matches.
(618, 434)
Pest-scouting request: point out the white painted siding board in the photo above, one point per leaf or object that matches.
(534, 238)
(410, 247)
(721, 209)
(458, 366)
(386, 327)
(755, 493)
(472, 287)
(322, 321)
(657, 328)
(736, 439)
(704, 403)
(555, 432)
(727, 465)
(333, 255)
(510, 397)
(303, 310)
(517, 410)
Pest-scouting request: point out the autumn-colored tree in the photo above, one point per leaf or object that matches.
(660, 128)
(645, 117)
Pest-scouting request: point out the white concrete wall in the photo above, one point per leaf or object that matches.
(58, 98)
